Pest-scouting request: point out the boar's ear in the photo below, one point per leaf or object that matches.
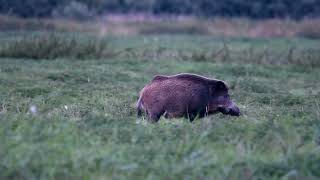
(219, 87)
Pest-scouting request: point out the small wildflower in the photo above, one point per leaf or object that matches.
(33, 109)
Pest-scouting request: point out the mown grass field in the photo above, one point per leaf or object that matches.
(67, 108)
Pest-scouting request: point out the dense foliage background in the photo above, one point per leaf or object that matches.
(228, 8)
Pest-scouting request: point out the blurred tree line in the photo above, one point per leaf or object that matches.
(206, 8)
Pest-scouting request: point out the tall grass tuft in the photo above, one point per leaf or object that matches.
(52, 46)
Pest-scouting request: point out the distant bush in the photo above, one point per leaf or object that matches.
(29, 8)
(74, 10)
(229, 8)
(51, 46)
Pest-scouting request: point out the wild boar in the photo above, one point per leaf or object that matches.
(185, 95)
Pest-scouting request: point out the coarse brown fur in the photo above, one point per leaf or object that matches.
(182, 95)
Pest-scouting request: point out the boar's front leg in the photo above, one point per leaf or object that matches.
(191, 116)
(200, 114)
(154, 116)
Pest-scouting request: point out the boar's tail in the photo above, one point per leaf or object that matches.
(139, 107)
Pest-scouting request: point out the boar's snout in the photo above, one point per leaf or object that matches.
(232, 110)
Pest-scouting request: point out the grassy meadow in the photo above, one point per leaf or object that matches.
(67, 108)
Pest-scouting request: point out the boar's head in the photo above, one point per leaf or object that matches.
(220, 100)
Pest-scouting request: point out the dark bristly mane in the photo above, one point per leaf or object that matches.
(187, 76)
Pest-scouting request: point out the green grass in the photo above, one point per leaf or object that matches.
(85, 126)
